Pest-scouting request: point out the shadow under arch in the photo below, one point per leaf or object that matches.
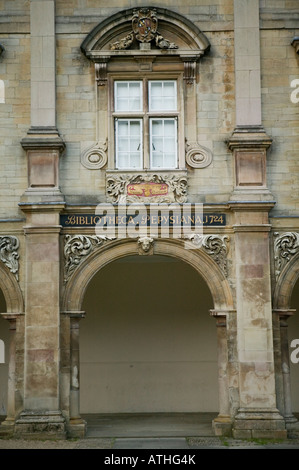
(199, 260)
(11, 291)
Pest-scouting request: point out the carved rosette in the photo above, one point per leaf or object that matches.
(95, 157)
(174, 188)
(285, 247)
(215, 246)
(198, 156)
(76, 248)
(9, 246)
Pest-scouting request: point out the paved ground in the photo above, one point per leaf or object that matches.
(149, 431)
(151, 443)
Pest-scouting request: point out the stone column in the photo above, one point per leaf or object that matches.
(42, 417)
(11, 386)
(285, 365)
(257, 415)
(222, 425)
(77, 425)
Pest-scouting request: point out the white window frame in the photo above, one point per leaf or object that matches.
(146, 115)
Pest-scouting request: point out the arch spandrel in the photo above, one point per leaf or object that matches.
(218, 284)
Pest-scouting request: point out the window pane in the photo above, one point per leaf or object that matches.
(128, 143)
(163, 143)
(128, 96)
(162, 95)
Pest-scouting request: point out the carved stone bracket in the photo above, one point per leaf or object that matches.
(9, 246)
(95, 157)
(189, 71)
(215, 246)
(198, 156)
(146, 188)
(76, 248)
(101, 72)
(285, 247)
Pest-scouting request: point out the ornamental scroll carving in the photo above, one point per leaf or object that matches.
(76, 248)
(197, 156)
(285, 247)
(215, 246)
(9, 246)
(95, 157)
(148, 188)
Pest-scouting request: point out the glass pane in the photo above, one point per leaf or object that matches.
(157, 127)
(135, 128)
(157, 144)
(123, 144)
(123, 160)
(128, 96)
(135, 160)
(122, 127)
(169, 127)
(162, 95)
(170, 160)
(169, 144)
(157, 161)
(135, 144)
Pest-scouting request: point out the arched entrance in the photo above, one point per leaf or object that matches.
(4, 358)
(148, 343)
(11, 309)
(286, 307)
(116, 256)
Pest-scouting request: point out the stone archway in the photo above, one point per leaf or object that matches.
(203, 264)
(14, 311)
(286, 279)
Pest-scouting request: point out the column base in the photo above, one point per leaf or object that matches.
(40, 425)
(76, 428)
(7, 427)
(267, 424)
(222, 425)
(293, 428)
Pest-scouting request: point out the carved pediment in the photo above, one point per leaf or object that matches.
(127, 32)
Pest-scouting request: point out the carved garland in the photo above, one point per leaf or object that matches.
(285, 247)
(9, 246)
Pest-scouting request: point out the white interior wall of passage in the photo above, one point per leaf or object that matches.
(293, 333)
(4, 336)
(148, 343)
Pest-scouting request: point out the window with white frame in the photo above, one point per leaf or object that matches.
(145, 117)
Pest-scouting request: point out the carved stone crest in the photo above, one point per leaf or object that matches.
(145, 30)
(144, 24)
(198, 156)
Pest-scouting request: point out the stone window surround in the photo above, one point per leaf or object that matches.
(174, 63)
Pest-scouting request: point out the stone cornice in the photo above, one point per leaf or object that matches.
(249, 137)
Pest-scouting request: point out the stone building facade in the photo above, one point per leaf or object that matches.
(149, 225)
